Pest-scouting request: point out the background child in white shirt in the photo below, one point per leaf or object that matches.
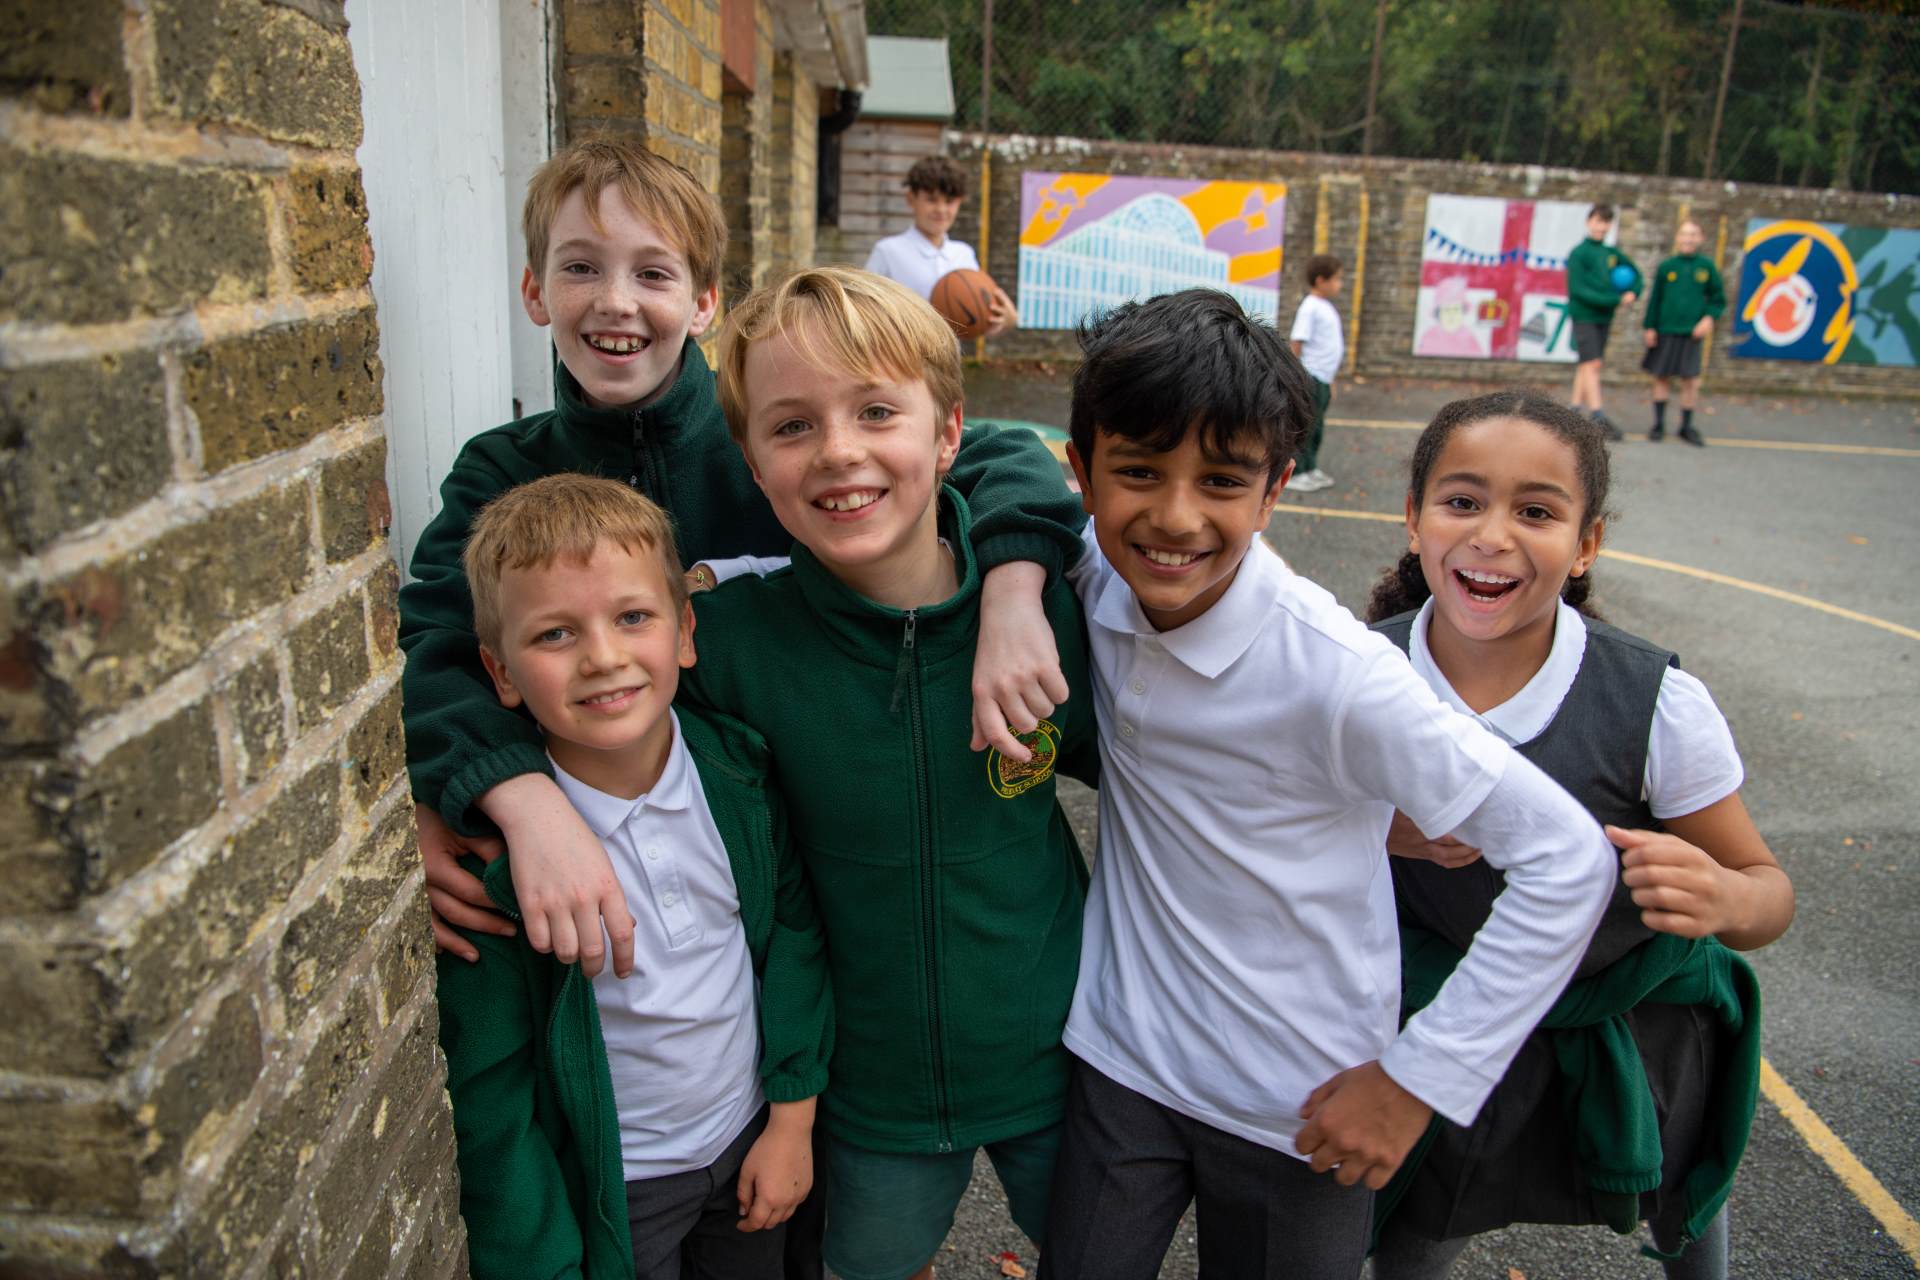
(920, 255)
(1317, 339)
(1505, 514)
(1237, 1012)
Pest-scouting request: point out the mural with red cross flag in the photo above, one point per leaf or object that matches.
(1493, 278)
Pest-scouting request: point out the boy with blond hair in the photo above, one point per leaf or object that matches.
(950, 894)
(624, 252)
(612, 1128)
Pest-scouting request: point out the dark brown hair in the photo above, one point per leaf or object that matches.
(1320, 266)
(1404, 587)
(1601, 211)
(938, 175)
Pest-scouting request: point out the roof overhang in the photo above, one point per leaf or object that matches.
(828, 38)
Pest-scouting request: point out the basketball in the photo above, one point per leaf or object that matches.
(964, 298)
(1622, 277)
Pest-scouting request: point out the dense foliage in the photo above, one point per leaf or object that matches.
(1819, 95)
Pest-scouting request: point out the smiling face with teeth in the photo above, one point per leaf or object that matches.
(851, 464)
(1175, 523)
(1500, 529)
(594, 650)
(620, 297)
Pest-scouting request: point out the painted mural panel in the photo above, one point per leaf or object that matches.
(1091, 241)
(1828, 293)
(1493, 278)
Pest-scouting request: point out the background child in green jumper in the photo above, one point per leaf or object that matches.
(1686, 298)
(950, 893)
(624, 252)
(1592, 297)
(614, 1128)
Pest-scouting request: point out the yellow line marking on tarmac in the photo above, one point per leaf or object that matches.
(1648, 562)
(1845, 1165)
(1719, 442)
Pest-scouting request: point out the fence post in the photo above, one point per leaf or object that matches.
(986, 70)
(1373, 76)
(986, 217)
(1720, 98)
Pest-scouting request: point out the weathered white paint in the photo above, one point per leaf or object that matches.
(434, 160)
(527, 84)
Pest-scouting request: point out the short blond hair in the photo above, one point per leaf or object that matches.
(658, 189)
(853, 320)
(559, 517)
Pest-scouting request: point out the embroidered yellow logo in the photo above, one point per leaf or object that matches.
(1700, 276)
(1673, 275)
(1010, 777)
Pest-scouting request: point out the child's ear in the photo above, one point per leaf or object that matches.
(532, 299)
(502, 678)
(1272, 499)
(752, 470)
(705, 304)
(1589, 548)
(687, 655)
(1079, 465)
(948, 439)
(1413, 526)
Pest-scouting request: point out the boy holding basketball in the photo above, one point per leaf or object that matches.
(1596, 285)
(924, 252)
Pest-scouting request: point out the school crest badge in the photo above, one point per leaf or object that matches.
(1010, 777)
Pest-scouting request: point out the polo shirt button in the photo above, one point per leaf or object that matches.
(668, 900)
(653, 853)
(1126, 731)
(1138, 686)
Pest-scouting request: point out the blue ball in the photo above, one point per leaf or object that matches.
(1622, 277)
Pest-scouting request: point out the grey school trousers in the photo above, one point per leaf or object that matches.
(1128, 1168)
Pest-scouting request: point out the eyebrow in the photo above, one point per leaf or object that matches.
(1129, 449)
(580, 244)
(1531, 486)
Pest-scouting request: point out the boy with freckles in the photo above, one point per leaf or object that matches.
(949, 887)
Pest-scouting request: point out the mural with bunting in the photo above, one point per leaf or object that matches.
(1493, 278)
(1828, 293)
(1091, 241)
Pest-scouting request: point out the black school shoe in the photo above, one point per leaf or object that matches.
(1658, 433)
(1613, 432)
(1693, 437)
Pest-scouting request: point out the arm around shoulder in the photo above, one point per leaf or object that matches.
(1021, 506)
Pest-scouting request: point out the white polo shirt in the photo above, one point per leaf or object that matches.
(683, 1033)
(1691, 759)
(1240, 945)
(1316, 327)
(918, 262)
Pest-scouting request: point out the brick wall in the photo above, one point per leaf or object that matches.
(1396, 198)
(651, 68)
(874, 158)
(795, 157)
(746, 162)
(219, 1051)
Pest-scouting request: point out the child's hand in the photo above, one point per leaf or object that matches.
(1628, 299)
(1404, 840)
(778, 1171)
(1678, 887)
(1704, 328)
(561, 876)
(1016, 664)
(1360, 1125)
(1653, 339)
(455, 899)
(1002, 315)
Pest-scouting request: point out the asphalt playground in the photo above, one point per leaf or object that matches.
(1779, 562)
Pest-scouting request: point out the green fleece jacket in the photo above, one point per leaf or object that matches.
(1686, 288)
(460, 741)
(948, 880)
(1591, 296)
(1603, 1084)
(536, 1132)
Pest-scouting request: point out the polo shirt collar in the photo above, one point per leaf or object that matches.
(1526, 715)
(606, 814)
(926, 246)
(1215, 640)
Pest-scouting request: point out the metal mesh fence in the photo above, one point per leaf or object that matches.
(1810, 95)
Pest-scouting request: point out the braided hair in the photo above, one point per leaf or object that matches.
(1403, 587)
